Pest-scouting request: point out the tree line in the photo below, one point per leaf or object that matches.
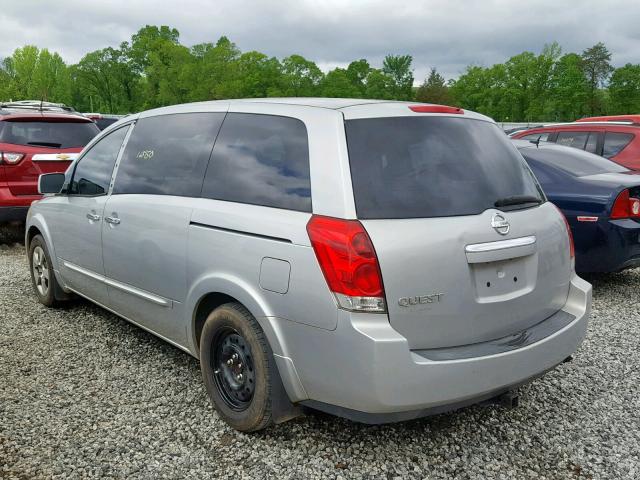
(154, 69)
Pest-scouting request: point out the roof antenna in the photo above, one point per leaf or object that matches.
(41, 102)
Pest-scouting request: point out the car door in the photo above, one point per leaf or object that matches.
(76, 217)
(147, 218)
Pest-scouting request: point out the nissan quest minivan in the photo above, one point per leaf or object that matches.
(375, 260)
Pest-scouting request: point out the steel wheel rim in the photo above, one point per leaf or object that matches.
(40, 269)
(233, 369)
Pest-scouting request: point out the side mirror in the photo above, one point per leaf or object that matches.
(50, 183)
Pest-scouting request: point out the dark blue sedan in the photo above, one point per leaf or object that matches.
(600, 199)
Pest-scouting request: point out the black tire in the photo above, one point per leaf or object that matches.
(245, 404)
(43, 278)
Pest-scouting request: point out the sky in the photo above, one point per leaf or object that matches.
(447, 35)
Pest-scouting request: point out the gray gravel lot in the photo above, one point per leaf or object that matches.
(85, 394)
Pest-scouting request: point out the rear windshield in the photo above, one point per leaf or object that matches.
(48, 134)
(416, 167)
(103, 123)
(572, 161)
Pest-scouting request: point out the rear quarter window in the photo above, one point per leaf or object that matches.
(614, 143)
(168, 154)
(413, 167)
(53, 134)
(261, 160)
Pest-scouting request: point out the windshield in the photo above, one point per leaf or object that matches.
(416, 167)
(573, 161)
(48, 134)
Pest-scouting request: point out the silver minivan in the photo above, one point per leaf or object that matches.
(376, 260)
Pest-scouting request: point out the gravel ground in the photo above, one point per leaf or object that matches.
(85, 394)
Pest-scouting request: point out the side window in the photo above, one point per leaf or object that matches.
(93, 173)
(592, 143)
(614, 143)
(261, 160)
(168, 154)
(573, 139)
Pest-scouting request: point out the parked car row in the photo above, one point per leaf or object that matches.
(277, 240)
(591, 169)
(616, 140)
(376, 260)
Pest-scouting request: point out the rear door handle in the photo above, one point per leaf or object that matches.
(93, 217)
(112, 220)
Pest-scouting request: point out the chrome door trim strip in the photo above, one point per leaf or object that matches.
(150, 297)
(501, 244)
(83, 271)
(138, 292)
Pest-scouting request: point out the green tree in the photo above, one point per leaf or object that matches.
(398, 69)
(434, 89)
(624, 89)
(300, 77)
(569, 89)
(338, 84)
(358, 71)
(106, 82)
(597, 67)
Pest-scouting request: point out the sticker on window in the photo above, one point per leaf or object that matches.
(145, 154)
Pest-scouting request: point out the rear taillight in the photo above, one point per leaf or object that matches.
(626, 206)
(11, 158)
(349, 263)
(572, 248)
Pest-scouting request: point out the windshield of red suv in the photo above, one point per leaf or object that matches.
(43, 133)
(417, 167)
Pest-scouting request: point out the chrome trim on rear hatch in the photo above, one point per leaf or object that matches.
(54, 157)
(501, 244)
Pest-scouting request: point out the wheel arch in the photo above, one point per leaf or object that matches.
(211, 291)
(214, 290)
(36, 224)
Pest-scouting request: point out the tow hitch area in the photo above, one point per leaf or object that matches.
(510, 399)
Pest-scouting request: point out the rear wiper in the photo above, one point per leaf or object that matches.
(46, 144)
(517, 200)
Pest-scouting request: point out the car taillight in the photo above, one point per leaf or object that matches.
(349, 263)
(572, 248)
(11, 158)
(625, 206)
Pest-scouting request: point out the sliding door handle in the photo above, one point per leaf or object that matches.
(112, 220)
(93, 217)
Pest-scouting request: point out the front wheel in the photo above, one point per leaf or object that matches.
(43, 278)
(234, 358)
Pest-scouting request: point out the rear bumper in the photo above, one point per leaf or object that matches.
(13, 214)
(14, 208)
(366, 371)
(607, 245)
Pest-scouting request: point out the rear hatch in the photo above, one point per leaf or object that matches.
(47, 145)
(436, 193)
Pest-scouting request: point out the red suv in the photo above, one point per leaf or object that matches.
(35, 139)
(617, 141)
(612, 118)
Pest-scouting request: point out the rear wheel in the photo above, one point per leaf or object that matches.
(234, 358)
(43, 278)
